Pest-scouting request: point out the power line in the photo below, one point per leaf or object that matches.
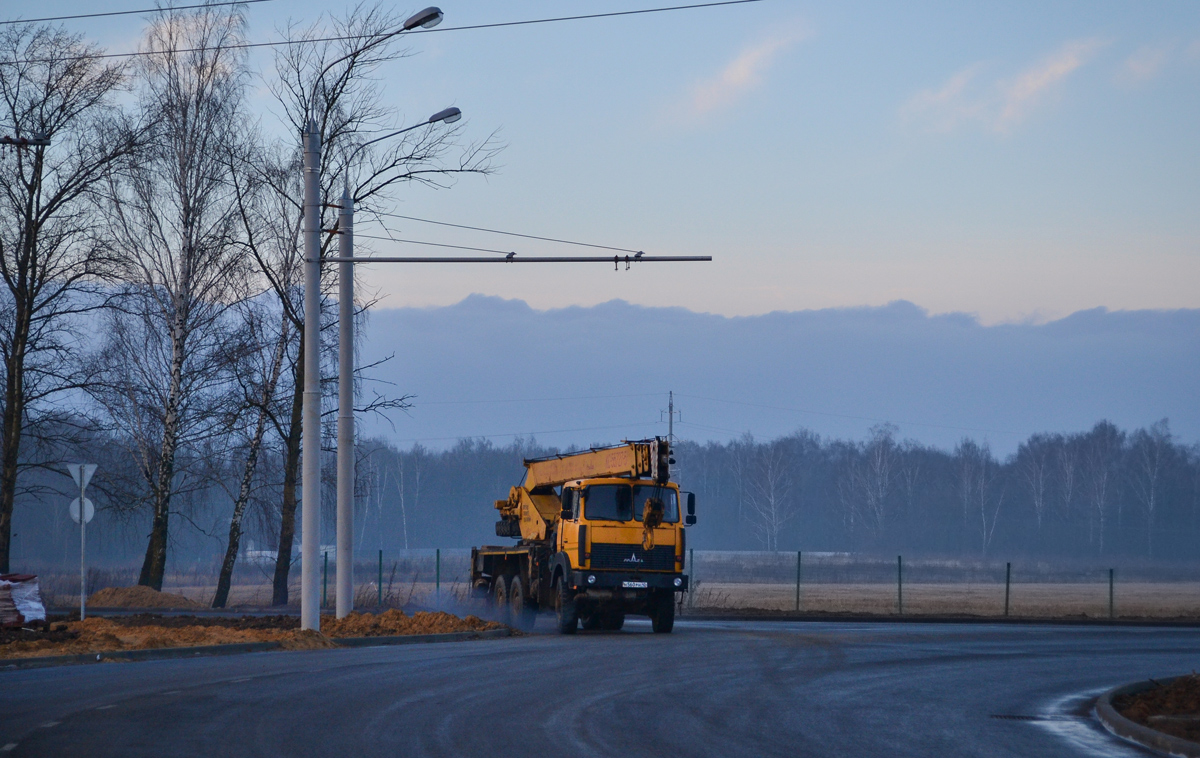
(510, 234)
(536, 399)
(287, 43)
(127, 13)
(522, 434)
(856, 418)
(432, 244)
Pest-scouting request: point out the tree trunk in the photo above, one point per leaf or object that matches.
(239, 508)
(291, 472)
(155, 563)
(12, 421)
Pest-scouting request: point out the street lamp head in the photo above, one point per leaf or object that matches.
(426, 19)
(449, 116)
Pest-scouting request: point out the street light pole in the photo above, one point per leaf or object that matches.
(310, 463)
(345, 428)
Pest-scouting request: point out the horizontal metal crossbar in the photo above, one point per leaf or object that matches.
(528, 259)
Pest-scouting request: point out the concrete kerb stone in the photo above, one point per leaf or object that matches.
(169, 653)
(1135, 732)
(878, 618)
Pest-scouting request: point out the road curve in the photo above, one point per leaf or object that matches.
(711, 688)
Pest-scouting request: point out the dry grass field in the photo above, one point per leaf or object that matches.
(1040, 600)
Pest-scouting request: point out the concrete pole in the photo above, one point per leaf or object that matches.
(345, 429)
(82, 547)
(310, 462)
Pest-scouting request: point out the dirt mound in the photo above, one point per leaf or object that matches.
(396, 622)
(99, 635)
(147, 630)
(138, 597)
(1170, 708)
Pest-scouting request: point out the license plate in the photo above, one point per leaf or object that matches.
(635, 585)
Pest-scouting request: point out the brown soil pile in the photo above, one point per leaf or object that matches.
(394, 622)
(1172, 708)
(146, 630)
(138, 597)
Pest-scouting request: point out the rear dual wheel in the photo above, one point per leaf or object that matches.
(521, 614)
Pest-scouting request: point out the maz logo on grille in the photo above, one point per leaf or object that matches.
(633, 559)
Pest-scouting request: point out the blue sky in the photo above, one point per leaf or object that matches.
(1019, 161)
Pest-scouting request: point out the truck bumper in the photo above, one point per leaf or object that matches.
(610, 580)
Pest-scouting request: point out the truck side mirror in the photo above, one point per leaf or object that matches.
(690, 518)
(565, 515)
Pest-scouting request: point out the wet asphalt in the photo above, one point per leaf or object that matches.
(711, 688)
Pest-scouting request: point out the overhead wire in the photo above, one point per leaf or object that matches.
(510, 234)
(348, 37)
(127, 13)
(849, 416)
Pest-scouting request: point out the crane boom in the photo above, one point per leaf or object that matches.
(629, 459)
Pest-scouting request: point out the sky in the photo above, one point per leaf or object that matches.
(1015, 161)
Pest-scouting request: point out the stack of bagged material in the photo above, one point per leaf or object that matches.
(20, 600)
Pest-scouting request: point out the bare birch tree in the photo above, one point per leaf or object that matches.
(172, 213)
(1149, 454)
(1101, 456)
(52, 85)
(1035, 462)
(977, 475)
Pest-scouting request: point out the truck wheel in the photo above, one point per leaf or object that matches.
(612, 622)
(500, 598)
(522, 615)
(662, 615)
(565, 610)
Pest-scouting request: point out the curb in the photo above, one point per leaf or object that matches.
(1135, 732)
(173, 653)
(910, 619)
(414, 639)
(153, 654)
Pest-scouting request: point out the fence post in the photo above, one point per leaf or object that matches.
(1007, 584)
(691, 577)
(380, 585)
(798, 557)
(325, 581)
(1110, 593)
(437, 585)
(899, 585)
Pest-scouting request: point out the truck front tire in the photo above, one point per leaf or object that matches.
(662, 613)
(566, 611)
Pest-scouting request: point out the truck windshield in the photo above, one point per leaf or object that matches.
(619, 502)
(608, 502)
(643, 492)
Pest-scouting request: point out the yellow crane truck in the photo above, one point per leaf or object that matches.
(600, 535)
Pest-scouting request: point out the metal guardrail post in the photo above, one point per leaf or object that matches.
(380, 585)
(437, 584)
(325, 582)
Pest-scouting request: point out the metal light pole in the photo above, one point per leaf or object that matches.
(345, 428)
(310, 464)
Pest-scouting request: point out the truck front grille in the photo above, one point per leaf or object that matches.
(633, 557)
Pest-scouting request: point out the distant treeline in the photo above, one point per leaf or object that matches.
(1102, 493)
(1105, 492)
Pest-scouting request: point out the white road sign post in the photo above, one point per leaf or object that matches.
(82, 512)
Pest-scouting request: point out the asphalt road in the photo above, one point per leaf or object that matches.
(711, 688)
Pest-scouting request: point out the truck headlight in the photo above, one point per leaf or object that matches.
(591, 578)
(678, 581)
